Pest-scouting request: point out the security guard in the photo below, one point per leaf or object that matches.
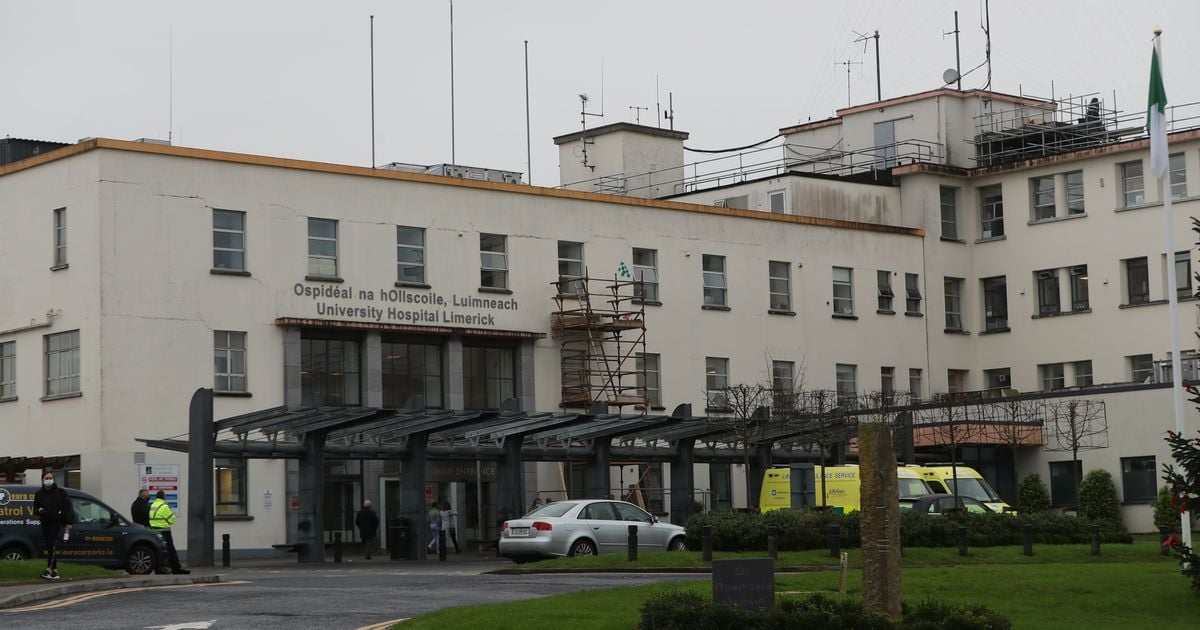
(161, 519)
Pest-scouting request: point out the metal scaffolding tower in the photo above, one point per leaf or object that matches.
(601, 328)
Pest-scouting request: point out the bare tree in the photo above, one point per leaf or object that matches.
(1075, 425)
(1014, 423)
(815, 419)
(743, 409)
(951, 425)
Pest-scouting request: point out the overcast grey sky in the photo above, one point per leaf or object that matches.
(292, 78)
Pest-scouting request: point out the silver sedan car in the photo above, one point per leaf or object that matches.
(585, 528)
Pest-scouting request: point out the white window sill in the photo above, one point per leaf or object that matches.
(1156, 204)
(991, 239)
(1057, 219)
(62, 396)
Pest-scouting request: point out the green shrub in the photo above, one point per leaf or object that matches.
(1165, 514)
(1032, 496)
(686, 610)
(1098, 497)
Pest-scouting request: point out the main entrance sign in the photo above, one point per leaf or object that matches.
(403, 306)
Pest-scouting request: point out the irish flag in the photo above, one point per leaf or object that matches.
(1156, 112)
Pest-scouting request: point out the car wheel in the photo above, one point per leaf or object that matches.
(582, 547)
(14, 553)
(140, 560)
(677, 544)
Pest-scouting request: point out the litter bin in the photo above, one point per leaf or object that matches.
(398, 538)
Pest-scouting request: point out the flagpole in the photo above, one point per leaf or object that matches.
(1159, 160)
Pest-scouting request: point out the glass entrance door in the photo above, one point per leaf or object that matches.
(343, 496)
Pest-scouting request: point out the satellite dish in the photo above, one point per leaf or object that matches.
(950, 76)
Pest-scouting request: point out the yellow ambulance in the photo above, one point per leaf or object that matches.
(940, 477)
(841, 487)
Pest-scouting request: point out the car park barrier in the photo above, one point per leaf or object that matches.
(337, 547)
(224, 550)
(1027, 534)
(441, 538)
(398, 539)
(633, 542)
(1095, 540)
(962, 541)
(706, 542)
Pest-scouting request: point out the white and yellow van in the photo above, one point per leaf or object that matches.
(970, 483)
(841, 487)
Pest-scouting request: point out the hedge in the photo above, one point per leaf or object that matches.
(808, 529)
(685, 610)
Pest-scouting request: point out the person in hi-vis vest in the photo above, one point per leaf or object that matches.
(161, 520)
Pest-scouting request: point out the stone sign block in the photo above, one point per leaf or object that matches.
(748, 584)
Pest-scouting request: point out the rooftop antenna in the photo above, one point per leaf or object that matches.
(658, 110)
(170, 83)
(847, 63)
(372, 91)
(863, 38)
(528, 151)
(453, 155)
(583, 114)
(636, 112)
(957, 60)
(986, 25)
(670, 113)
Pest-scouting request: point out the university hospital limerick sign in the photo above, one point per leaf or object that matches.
(401, 306)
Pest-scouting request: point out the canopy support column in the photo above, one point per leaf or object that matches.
(413, 504)
(311, 522)
(200, 539)
(683, 481)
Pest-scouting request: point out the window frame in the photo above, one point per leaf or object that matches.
(1042, 199)
(847, 395)
(780, 194)
(912, 294)
(228, 350)
(1076, 203)
(647, 290)
(1150, 473)
(240, 478)
(1052, 376)
(846, 300)
(498, 273)
(232, 252)
(784, 302)
(1141, 266)
(1006, 381)
(995, 312)
(432, 373)
(8, 370)
(716, 383)
(1079, 285)
(783, 383)
(60, 237)
(955, 313)
(916, 384)
(649, 376)
(349, 381)
(1047, 283)
(883, 282)
(570, 268)
(715, 285)
(506, 361)
(418, 252)
(1177, 165)
(952, 207)
(887, 381)
(1185, 291)
(951, 375)
(1131, 196)
(315, 260)
(991, 212)
(72, 376)
(1083, 378)
(1140, 364)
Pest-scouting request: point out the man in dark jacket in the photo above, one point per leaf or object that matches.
(368, 525)
(140, 510)
(53, 507)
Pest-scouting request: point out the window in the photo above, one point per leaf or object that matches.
(645, 271)
(570, 268)
(8, 370)
(887, 381)
(914, 384)
(912, 294)
(1052, 376)
(847, 384)
(1139, 478)
(329, 372)
(953, 287)
(412, 375)
(230, 486)
(229, 240)
(956, 381)
(997, 379)
(322, 248)
(780, 279)
(1132, 185)
(716, 382)
(995, 304)
(410, 254)
(1141, 368)
(1083, 373)
(1063, 482)
(1178, 173)
(783, 383)
(949, 203)
(488, 377)
(62, 363)
(991, 218)
(648, 377)
(493, 261)
(885, 144)
(1075, 193)
(714, 280)
(885, 290)
(1137, 281)
(843, 291)
(60, 237)
(229, 361)
(1183, 275)
(1079, 288)
(1047, 291)
(1042, 189)
(777, 201)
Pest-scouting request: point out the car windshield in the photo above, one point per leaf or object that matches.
(912, 487)
(553, 509)
(975, 488)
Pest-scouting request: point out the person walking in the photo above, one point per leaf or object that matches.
(435, 525)
(367, 522)
(449, 521)
(53, 508)
(161, 520)
(140, 509)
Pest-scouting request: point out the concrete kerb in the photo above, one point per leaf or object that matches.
(40, 593)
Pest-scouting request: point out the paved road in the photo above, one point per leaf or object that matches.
(295, 598)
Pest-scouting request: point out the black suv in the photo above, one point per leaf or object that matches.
(100, 534)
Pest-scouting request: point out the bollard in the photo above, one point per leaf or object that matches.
(337, 546)
(1027, 534)
(962, 541)
(843, 568)
(835, 540)
(441, 545)
(224, 550)
(773, 542)
(633, 543)
(1163, 534)
(706, 542)
(1095, 540)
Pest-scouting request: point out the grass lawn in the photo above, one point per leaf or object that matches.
(31, 571)
(1139, 590)
(1042, 554)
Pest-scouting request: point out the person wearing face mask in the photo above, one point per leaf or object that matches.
(53, 507)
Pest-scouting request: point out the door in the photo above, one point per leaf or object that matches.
(606, 527)
(342, 500)
(389, 496)
(93, 538)
(885, 144)
(650, 538)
